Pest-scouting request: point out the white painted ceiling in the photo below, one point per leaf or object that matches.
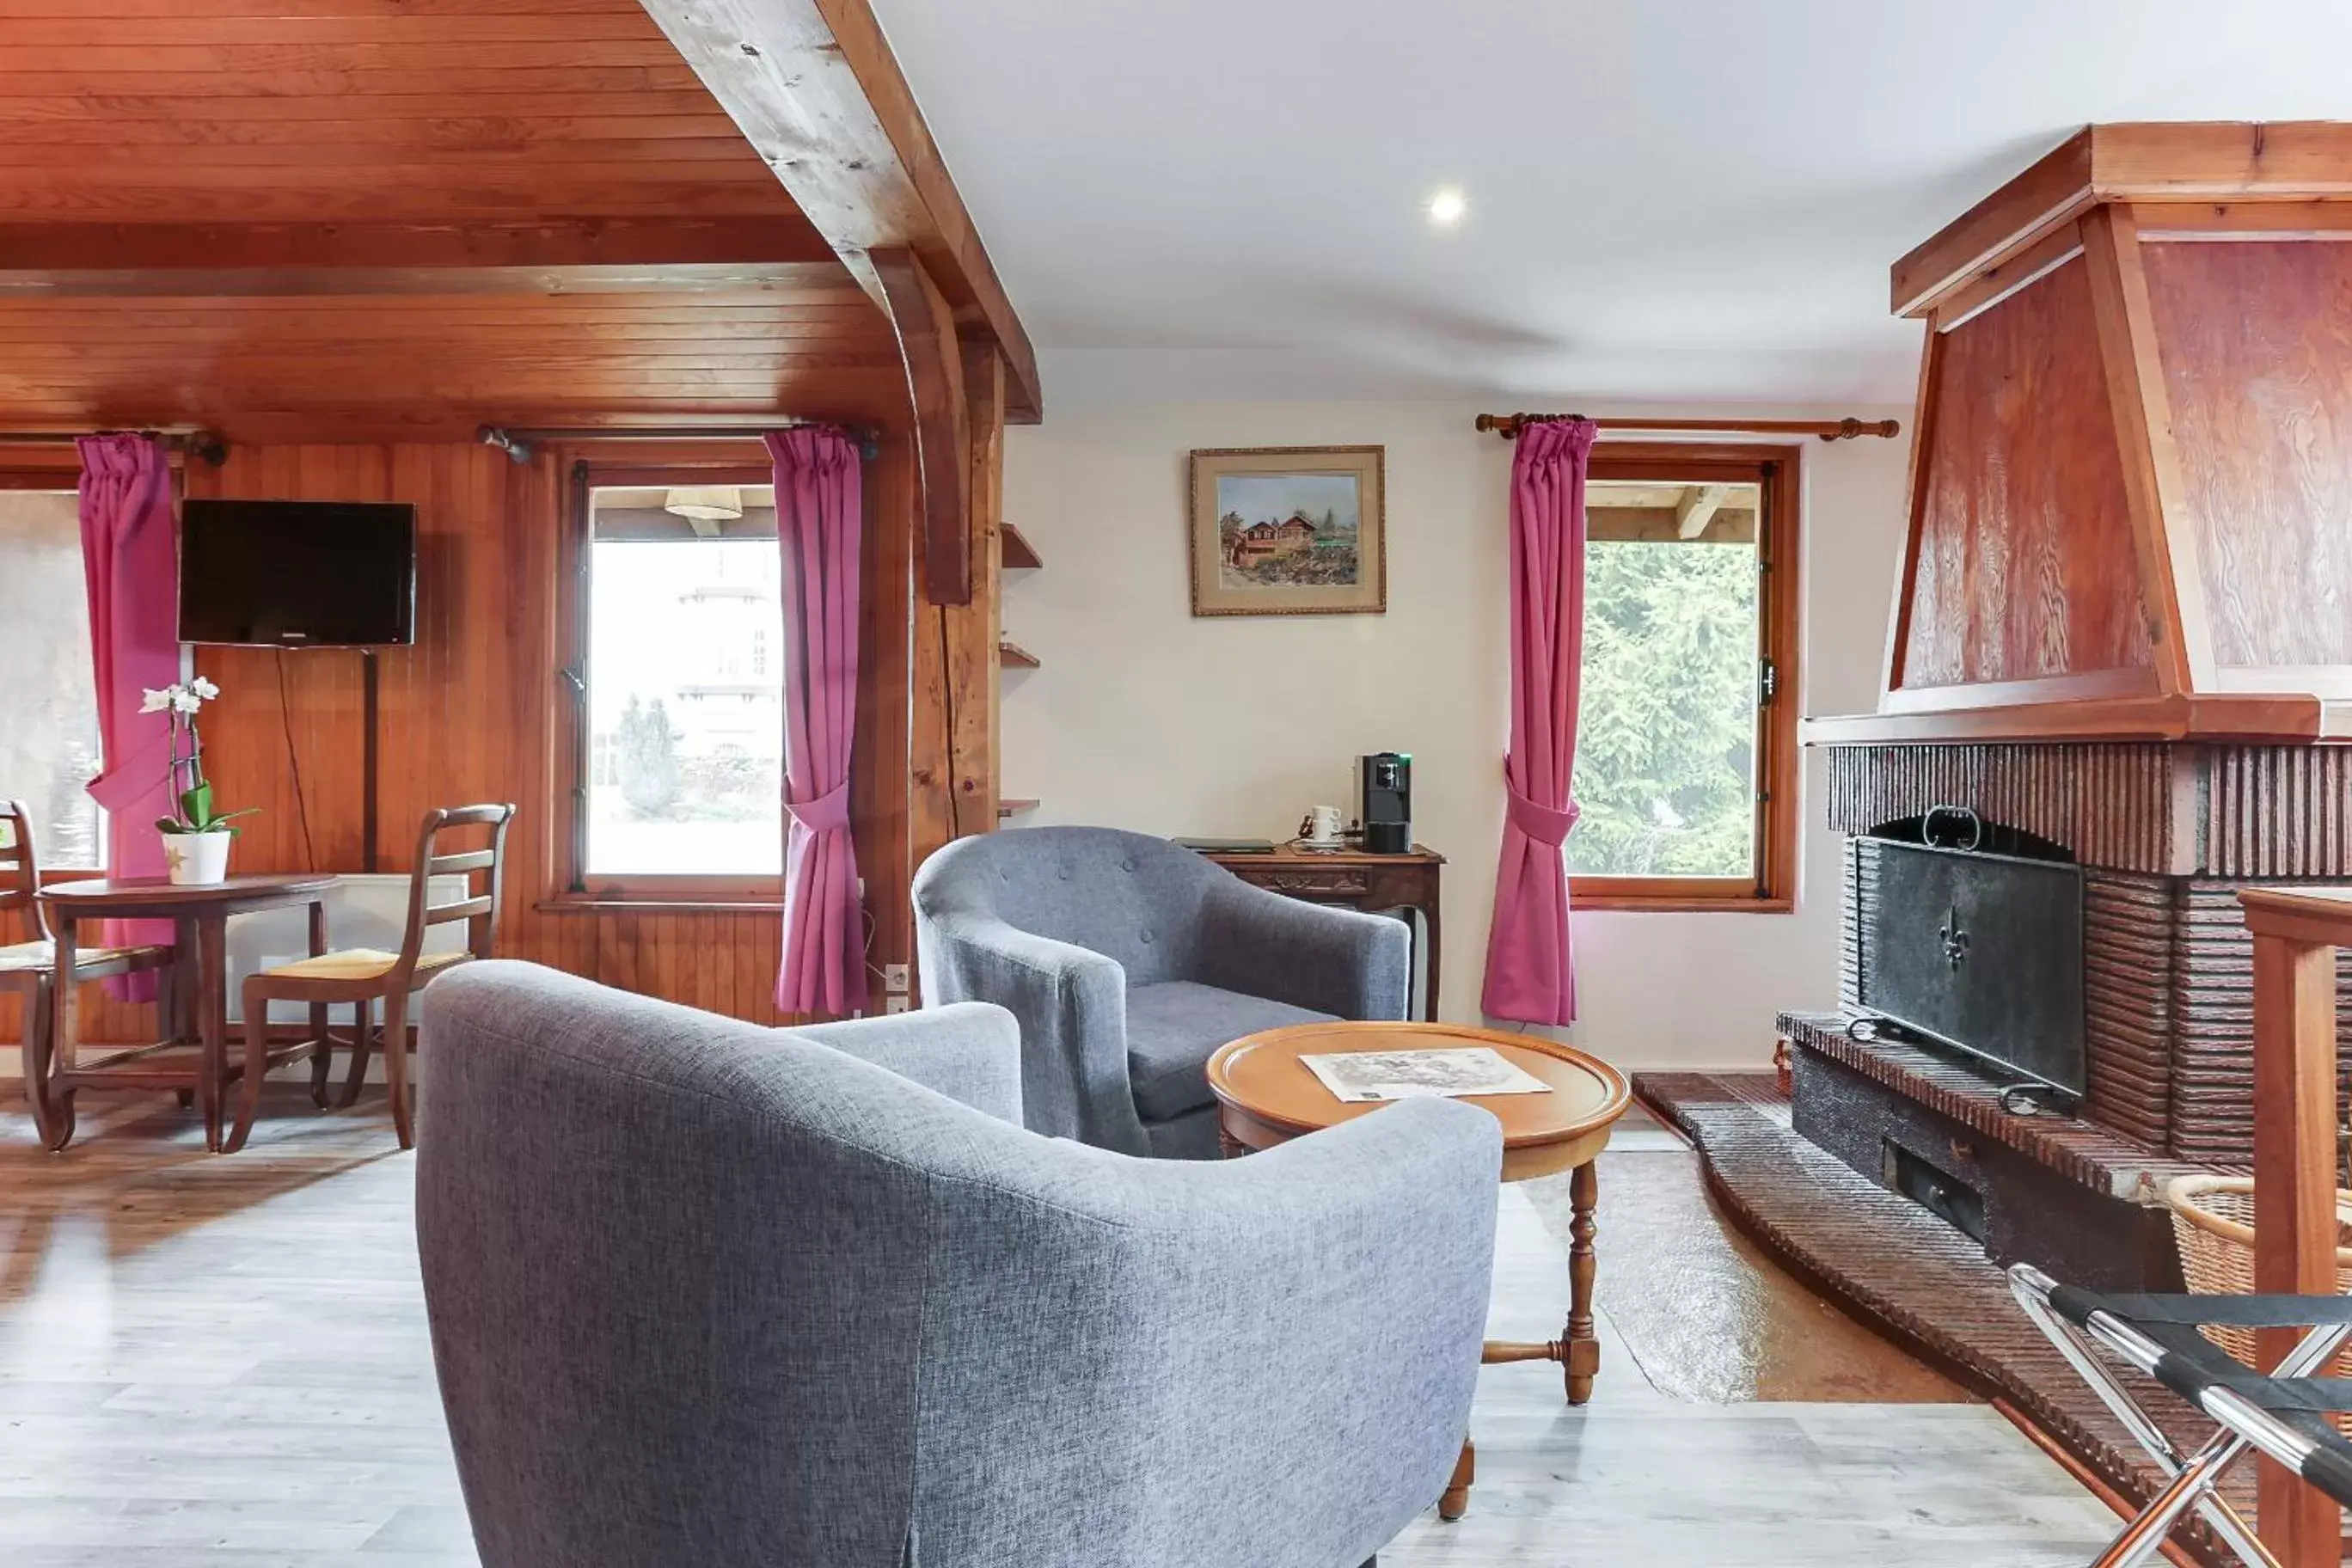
(1692, 200)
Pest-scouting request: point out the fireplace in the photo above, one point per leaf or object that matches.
(2118, 630)
(2119, 641)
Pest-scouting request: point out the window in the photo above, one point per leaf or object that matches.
(681, 756)
(48, 709)
(1686, 753)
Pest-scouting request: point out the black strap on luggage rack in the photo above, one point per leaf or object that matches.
(2283, 1414)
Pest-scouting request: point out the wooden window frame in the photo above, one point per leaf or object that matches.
(575, 887)
(1777, 471)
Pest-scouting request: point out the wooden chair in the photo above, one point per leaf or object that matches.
(364, 976)
(28, 968)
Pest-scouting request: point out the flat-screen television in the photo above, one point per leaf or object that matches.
(286, 573)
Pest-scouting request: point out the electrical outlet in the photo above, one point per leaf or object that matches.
(894, 1004)
(894, 979)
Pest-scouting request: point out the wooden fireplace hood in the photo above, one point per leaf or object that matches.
(2130, 502)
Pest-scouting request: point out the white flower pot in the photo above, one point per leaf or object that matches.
(197, 860)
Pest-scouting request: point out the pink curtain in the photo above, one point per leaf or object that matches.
(131, 563)
(820, 522)
(1528, 974)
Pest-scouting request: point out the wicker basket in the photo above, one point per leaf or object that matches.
(2213, 1222)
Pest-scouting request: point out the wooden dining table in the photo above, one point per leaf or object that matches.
(191, 1055)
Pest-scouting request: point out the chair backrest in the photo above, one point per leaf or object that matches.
(480, 907)
(1127, 896)
(703, 1292)
(20, 868)
(772, 1195)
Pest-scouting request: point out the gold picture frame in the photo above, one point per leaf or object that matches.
(1289, 530)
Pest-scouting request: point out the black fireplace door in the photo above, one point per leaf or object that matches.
(1979, 951)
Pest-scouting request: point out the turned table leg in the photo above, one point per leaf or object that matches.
(1455, 1502)
(1584, 1346)
(212, 1024)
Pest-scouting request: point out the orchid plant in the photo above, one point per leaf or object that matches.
(194, 797)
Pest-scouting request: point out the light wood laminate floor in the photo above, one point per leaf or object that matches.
(222, 1362)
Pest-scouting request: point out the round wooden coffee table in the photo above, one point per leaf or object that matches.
(1266, 1096)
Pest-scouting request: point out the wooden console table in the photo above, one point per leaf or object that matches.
(1357, 880)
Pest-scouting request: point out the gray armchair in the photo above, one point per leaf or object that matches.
(1128, 961)
(704, 1292)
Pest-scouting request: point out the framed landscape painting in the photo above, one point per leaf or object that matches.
(1289, 530)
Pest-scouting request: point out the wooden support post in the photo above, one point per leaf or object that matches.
(2295, 936)
(976, 628)
(954, 642)
(927, 338)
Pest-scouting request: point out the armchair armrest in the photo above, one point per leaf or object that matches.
(1072, 1007)
(1310, 955)
(969, 1051)
(1315, 1311)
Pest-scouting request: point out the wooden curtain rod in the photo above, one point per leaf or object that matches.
(1508, 426)
(183, 438)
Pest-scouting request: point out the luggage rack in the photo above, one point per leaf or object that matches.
(2283, 1414)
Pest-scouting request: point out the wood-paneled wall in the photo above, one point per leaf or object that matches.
(469, 713)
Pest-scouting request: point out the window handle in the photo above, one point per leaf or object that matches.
(571, 678)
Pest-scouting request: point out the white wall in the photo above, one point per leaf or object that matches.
(1146, 717)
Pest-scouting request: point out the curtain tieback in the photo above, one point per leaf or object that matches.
(1541, 823)
(827, 813)
(146, 769)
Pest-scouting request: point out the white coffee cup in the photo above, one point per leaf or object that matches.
(1321, 826)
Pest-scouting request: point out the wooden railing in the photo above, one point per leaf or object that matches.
(2296, 934)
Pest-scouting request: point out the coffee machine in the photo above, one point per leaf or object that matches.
(1384, 802)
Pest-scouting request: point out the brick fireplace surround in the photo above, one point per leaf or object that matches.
(2167, 834)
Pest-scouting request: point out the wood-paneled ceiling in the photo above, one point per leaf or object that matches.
(183, 110)
(414, 214)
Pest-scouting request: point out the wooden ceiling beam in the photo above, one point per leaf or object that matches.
(1697, 509)
(815, 88)
(264, 260)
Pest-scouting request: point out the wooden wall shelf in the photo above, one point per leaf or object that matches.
(1019, 555)
(1014, 808)
(1013, 656)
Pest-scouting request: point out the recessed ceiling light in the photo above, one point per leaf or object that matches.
(1447, 206)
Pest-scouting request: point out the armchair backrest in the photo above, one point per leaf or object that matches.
(671, 1262)
(1127, 896)
(704, 1292)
